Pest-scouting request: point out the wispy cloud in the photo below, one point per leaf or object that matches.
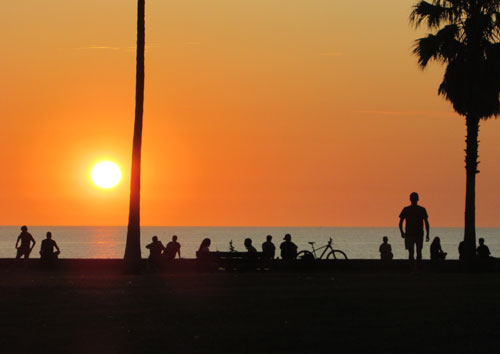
(377, 112)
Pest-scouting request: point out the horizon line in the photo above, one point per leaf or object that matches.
(249, 226)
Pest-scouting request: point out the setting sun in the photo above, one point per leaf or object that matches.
(106, 174)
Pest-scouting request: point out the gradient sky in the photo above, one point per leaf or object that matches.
(257, 112)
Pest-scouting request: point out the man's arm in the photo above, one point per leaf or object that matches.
(57, 247)
(17, 242)
(427, 228)
(34, 242)
(179, 251)
(401, 227)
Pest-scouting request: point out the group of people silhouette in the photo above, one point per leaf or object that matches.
(49, 250)
(158, 252)
(287, 247)
(436, 251)
(412, 221)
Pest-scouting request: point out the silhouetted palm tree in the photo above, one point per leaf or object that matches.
(133, 246)
(464, 36)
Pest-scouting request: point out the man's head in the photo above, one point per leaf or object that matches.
(287, 237)
(385, 239)
(49, 235)
(155, 238)
(414, 198)
(269, 238)
(248, 242)
(174, 238)
(481, 241)
(24, 228)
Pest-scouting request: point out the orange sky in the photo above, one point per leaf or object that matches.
(261, 112)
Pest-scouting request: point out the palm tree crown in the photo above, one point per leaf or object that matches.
(466, 35)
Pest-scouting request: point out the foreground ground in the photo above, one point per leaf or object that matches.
(249, 313)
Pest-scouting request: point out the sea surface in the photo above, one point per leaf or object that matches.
(109, 241)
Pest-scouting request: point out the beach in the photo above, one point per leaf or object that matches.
(274, 312)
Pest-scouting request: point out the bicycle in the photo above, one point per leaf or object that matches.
(333, 254)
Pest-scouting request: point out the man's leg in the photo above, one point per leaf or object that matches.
(409, 244)
(411, 251)
(419, 244)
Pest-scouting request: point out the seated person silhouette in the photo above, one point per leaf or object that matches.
(173, 248)
(385, 249)
(248, 246)
(27, 243)
(288, 248)
(47, 252)
(461, 250)
(437, 253)
(155, 249)
(483, 252)
(205, 246)
(268, 248)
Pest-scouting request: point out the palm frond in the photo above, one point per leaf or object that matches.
(442, 46)
(433, 13)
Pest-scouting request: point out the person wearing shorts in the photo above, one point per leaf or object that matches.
(414, 217)
(24, 243)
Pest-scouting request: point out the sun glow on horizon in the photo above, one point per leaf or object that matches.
(106, 174)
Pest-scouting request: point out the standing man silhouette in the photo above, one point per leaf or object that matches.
(415, 217)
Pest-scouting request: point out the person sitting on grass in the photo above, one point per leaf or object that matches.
(437, 253)
(173, 248)
(27, 243)
(385, 249)
(47, 252)
(155, 249)
(288, 248)
(483, 252)
(204, 247)
(268, 248)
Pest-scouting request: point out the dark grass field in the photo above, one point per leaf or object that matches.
(249, 313)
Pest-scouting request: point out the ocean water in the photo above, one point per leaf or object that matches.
(109, 241)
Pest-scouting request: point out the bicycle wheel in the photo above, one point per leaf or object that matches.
(337, 255)
(305, 255)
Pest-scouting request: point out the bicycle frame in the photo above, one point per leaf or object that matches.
(327, 247)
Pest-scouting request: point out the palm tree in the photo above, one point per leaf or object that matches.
(465, 37)
(133, 246)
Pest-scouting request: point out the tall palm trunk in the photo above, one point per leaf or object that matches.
(471, 163)
(133, 246)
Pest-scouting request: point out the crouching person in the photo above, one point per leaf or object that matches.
(49, 251)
